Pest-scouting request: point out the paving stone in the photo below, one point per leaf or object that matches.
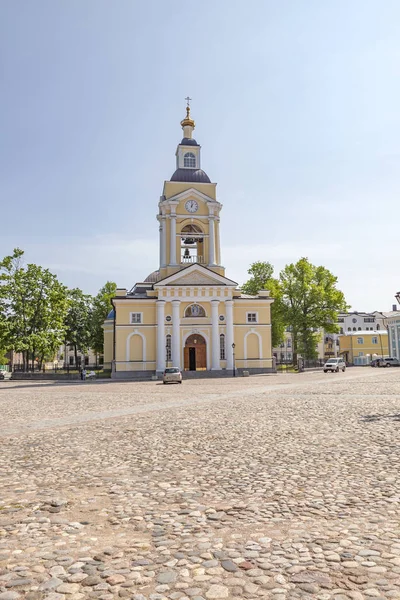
(268, 487)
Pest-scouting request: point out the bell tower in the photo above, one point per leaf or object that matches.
(189, 211)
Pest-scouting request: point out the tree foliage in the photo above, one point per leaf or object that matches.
(78, 321)
(311, 302)
(101, 307)
(262, 279)
(306, 299)
(33, 306)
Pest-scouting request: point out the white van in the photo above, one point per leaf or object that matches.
(335, 365)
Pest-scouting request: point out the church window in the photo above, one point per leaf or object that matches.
(189, 160)
(168, 355)
(252, 317)
(136, 318)
(222, 346)
(195, 310)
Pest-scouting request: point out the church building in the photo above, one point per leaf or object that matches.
(187, 313)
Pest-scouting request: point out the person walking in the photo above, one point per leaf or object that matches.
(83, 374)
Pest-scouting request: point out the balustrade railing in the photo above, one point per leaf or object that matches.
(192, 259)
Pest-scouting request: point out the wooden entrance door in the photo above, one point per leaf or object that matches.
(195, 353)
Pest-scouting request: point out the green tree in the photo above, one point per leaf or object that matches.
(101, 307)
(78, 322)
(3, 358)
(33, 305)
(311, 302)
(262, 279)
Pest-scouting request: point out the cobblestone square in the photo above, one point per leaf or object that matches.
(280, 487)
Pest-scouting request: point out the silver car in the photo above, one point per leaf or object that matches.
(172, 375)
(389, 362)
(335, 365)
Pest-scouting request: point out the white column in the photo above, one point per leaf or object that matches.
(172, 253)
(161, 343)
(163, 243)
(229, 334)
(176, 334)
(215, 364)
(211, 242)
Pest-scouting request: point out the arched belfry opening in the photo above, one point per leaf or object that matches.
(195, 353)
(192, 244)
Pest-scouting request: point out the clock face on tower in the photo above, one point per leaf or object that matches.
(191, 206)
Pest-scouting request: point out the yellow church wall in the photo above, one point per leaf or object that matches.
(253, 346)
(242, 307)
(249, 353)
(135, 349)
(147, 310)
(108, 344)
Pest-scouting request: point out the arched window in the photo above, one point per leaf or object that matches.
(378, 326)
(359, 329)
(354, 329)
(195, 310)
(189, 160)
(349, 329)
(222, 346)
(168, 354)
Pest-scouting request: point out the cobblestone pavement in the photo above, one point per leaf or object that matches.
(280, 487)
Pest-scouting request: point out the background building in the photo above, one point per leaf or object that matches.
(360, 347)
(392, 322)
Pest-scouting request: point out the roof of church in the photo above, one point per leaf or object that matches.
(190, 175)
(153, 277)
(188, 142)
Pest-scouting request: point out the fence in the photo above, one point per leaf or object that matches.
(55, 368)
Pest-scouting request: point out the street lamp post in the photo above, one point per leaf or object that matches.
(380, 339)
(233, 353)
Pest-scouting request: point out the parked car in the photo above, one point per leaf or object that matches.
(335, 365)
(389, 362)
(172, 375)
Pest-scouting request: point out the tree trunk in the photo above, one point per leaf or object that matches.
(76, 355)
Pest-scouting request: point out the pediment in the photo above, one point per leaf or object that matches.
(192, 193)
(196, 278)
(196, 275)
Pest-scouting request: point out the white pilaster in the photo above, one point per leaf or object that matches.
(176, 334)
(172, 252)
(161, 350)
(215, 353)
(163, 243)
(211, 242)
(229, 334)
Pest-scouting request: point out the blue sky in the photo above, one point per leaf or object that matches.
(296, 106)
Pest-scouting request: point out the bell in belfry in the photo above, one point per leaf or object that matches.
(186, 253)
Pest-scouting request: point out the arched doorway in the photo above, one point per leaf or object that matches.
(195, 353)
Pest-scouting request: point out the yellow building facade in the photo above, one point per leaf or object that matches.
(187, 313)
(360, 347)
